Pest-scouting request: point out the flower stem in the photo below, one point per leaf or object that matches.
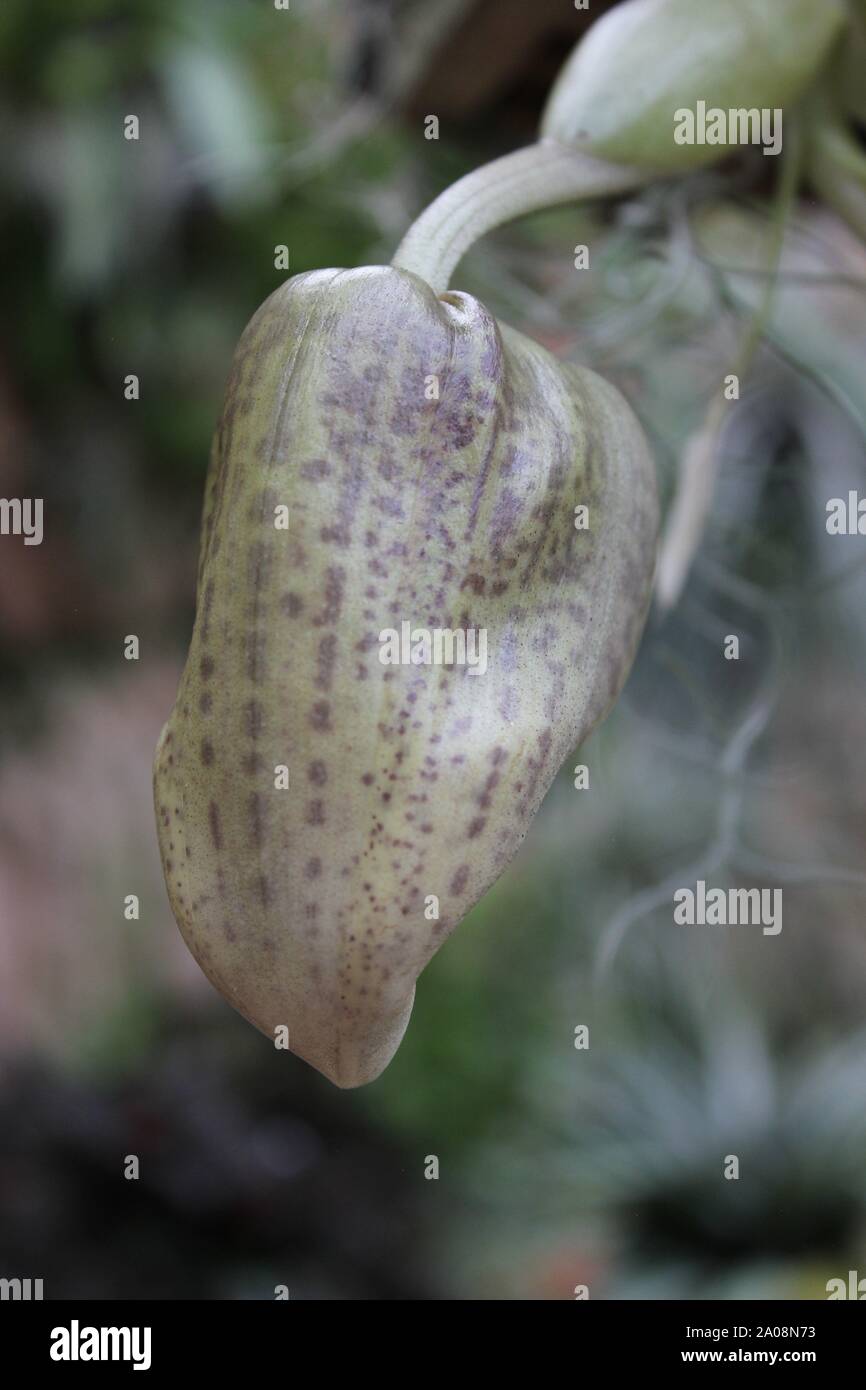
(536, 177)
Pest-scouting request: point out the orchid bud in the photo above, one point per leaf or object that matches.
(647, 66)
(340, 780)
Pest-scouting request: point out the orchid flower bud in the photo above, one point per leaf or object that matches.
(396, 478)
(670, 85)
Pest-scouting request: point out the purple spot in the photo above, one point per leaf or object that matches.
(460, 879)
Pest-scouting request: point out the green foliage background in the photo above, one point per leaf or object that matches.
(558, 1167)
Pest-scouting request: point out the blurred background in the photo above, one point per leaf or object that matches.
(559, 1166)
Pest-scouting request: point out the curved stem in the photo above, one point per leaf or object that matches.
(536, 177)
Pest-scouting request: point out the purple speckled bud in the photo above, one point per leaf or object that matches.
(431, 461)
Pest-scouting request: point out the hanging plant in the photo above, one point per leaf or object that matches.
(427, 556)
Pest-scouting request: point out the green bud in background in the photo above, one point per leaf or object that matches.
(647, 60)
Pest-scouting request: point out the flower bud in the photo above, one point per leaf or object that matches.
(645, 61)
(387, 459)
